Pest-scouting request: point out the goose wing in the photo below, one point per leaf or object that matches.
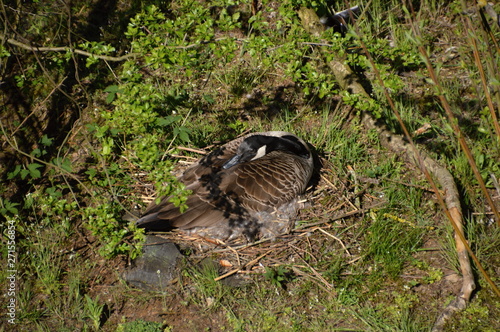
(205, 204)
(268, 182)
(263, 184)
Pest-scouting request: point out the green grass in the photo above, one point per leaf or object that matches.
(208, 293)
(140, 326)
(389, 244)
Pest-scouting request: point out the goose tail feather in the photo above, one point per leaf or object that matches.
(151, 222)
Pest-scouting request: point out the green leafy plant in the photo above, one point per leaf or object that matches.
(104, 224)
(8, 208)
(279, 276)
(94, 309)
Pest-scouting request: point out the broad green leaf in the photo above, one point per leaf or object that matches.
(33, 170)
(165, 121)
(46, 141)
(14, 173)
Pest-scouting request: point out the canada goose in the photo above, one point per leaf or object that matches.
(249, 187)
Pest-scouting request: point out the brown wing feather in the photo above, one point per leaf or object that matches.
(195, 178)
(268, 182)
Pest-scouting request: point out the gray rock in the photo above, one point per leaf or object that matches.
(156, 268)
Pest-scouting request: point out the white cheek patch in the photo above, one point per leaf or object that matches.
(261, 152)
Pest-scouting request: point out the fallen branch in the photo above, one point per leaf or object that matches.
(66, 49)
(328, 285)
(451, 202)
(88, 54)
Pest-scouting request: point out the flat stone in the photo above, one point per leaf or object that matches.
(156, 268)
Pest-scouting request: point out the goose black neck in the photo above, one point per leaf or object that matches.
(286, 143)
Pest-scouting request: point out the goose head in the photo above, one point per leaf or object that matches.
(257, 146)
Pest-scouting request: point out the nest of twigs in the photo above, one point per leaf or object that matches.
(333, 207)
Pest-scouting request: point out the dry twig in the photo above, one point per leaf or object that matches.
(252, 262)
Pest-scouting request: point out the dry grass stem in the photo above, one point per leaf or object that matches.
(336, 239)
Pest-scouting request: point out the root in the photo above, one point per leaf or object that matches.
(349, 82)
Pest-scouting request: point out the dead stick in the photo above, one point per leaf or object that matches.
(348, 214)
(238, 269)
(192, 150)
(66, 49)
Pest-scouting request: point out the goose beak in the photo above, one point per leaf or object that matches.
(232, 162)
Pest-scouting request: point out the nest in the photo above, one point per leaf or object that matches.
(333, 207)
